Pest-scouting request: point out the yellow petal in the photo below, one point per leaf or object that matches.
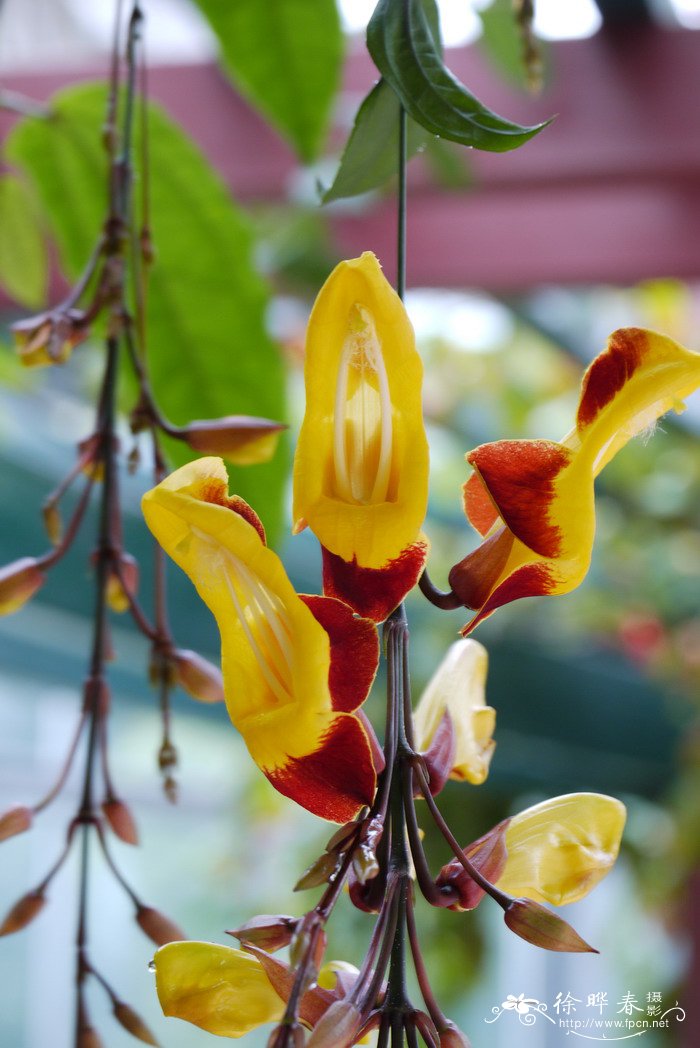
(225, 991)
(276, 655)
(274, 652)
(458, 688)
(361, 465)
(638, 378)
(560, 849)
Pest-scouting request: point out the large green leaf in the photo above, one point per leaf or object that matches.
(23, 260)
(407, 55)
(286, 56)
(371, 154)
(208, 350)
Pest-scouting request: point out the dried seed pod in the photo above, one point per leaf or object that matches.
(132, 1022)
(23, 912)
(14, 821)
(120, 819)
(157, 926)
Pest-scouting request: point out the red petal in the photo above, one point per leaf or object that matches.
(354, 651)
(532, 580)
(374, 592)
(610, 371)
(474, 577)
(216, 491)
(336, 780)
(478, 505)
(520, 475)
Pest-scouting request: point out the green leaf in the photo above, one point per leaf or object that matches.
(371, 155)
(23, 259)
(407, 55)
(208, 350)
(286, 56)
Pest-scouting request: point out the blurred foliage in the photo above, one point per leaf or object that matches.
(23, 256)
(208, 349)
(300, 39)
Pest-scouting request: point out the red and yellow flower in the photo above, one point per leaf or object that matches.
(361, 465)
(532, 500)
(296, 668)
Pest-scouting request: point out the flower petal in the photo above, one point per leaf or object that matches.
(560, 849)
(457, 687)
(220, 989)
(276, 656)
(361, 465)
(374, 592)
(354, 651)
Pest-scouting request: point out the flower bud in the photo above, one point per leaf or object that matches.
(15, 821)
(242, 439)
(18, 582)
(23, 912)
(127, 1017)
(489, 855)
(88, 1038)
(53, 523)
(338, 1027)
(122, 580)
(159, 928)
(541, 927)
(50, 337)
(198, 677)
(121, 821)
(452, 1037)
(269, 932)
(320, 872)
(425, 1025)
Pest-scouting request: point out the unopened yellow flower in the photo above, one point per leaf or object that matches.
(361, 466)
(220, 989)
(532, 500)
(457, 689)
(295, 668)
(560, 849)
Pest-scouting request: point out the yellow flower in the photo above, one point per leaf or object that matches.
(560, 849)
(361, 465)
(532, 500)
(555, 852)
(285, 657)
(222, 990)
(457, 689)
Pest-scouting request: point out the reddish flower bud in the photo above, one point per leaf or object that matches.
(452, 1037)
(23, 912)
(541, 927)
(198, 677)
(242, 439)
(158, 927)
(15, 821)
(121, 821)
(439, 758)
(52, 523)
(132, 1022)
(122, 579)
(49, 337)
(88, 1038)
(269, 932)
(18, 582)
(338, 1027)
